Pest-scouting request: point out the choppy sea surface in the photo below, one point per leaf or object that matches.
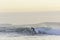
(49, 37)
(14, 36)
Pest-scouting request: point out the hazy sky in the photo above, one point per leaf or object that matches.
(29, 5)
(29, 11)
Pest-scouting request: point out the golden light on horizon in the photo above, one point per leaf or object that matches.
(35, 11)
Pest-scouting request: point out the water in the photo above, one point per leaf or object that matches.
(31, 38)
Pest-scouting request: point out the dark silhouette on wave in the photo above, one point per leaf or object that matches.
(35, 29)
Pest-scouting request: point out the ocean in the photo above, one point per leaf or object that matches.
(49, 37)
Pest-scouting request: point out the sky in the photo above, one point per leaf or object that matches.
(29, 11)
(29, 5)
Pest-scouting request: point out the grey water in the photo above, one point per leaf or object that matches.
(13, 30)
